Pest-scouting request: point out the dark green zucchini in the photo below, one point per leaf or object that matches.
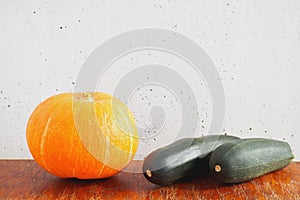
(245, 159)
(171, 163)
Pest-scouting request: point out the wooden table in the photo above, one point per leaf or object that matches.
(26, 180)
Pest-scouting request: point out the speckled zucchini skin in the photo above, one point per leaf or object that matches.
(180, 159)
(245, 159)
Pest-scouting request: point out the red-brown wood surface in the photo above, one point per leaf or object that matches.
(26, 180)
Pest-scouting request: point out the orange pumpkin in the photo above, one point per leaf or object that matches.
(84, 135)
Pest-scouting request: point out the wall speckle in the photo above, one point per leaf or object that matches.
(254, 45)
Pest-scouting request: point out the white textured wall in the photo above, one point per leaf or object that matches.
(255, 46)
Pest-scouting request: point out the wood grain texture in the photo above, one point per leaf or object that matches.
(26, 180)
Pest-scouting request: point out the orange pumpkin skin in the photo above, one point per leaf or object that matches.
(82, 135)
